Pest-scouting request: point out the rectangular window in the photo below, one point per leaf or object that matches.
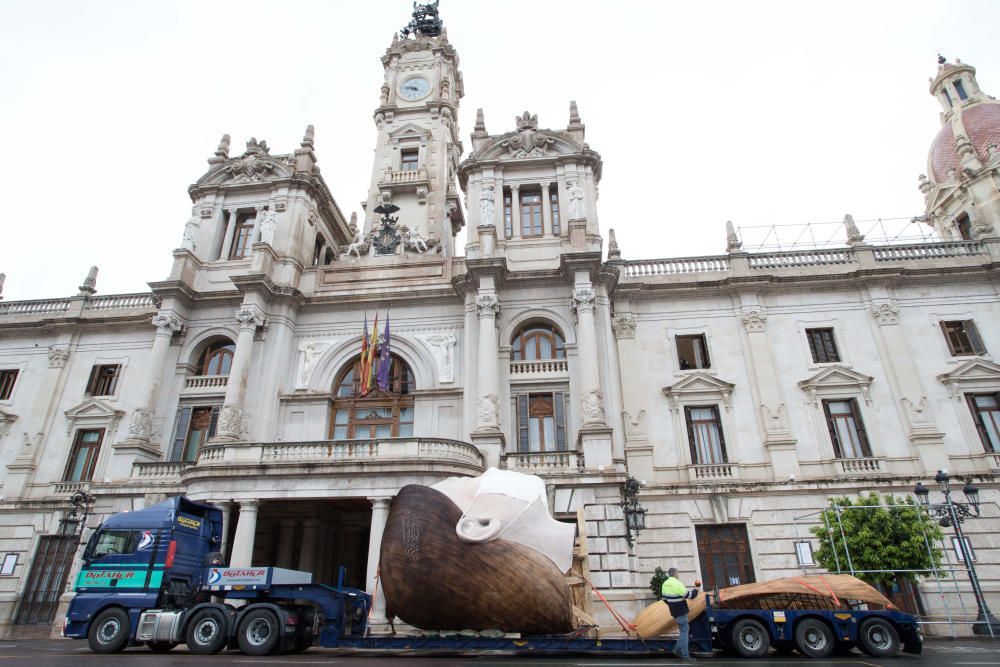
(9, 563)
(531, 214)
(508, 215)
(847, 431)
(804, 552)
(409, 159)
(83, 457)
(986, 413)
(947, 96)
(960, 89)
(7, 379)
(963, 338)
(708, 446)
(554, 201)
(193, 426)
(103, 380)
(541, 422)
(243, 235)
(692, 351)
(822, 346)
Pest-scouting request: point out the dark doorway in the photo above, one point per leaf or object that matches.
(47, 580)
(724, 553)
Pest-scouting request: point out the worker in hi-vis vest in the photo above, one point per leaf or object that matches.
(676, 595)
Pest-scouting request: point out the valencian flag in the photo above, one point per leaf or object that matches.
(364, 357)
(383, 376)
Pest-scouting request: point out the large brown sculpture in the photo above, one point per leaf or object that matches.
(435, 580)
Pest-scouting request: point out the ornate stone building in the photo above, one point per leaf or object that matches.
(741, 389)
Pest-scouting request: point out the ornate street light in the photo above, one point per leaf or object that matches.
(954, 514)
(635, 514)
(73, 521)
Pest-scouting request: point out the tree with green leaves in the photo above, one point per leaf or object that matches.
(893, 535)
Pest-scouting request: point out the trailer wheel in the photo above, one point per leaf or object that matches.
(109, 631)
(814, 638)
(161, 647)
(206, 632)
(259, 632)
(878, 638)
(749, 638)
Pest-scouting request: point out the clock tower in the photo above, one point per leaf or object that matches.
(418, 149)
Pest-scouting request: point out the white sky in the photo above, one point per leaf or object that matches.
(760, 112)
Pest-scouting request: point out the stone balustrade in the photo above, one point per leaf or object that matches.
(119, 302)
(404, 177)
(917, 251)
(676, 265)
(800, 258)
(713, 471)
(523, 370)
(861, 466)
(158, 470)
(206, 382)
(68, 488)
(542, 462)
(41, 306)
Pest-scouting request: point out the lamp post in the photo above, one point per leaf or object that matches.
(635, 514)
(954, 514)
(75, 520)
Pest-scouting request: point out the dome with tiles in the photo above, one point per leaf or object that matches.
(967, 112)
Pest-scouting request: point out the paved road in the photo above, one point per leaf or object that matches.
(67, 653)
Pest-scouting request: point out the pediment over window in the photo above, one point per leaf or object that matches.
(837, 379)
(409, 131)
(698, 386)
(973, 375)
(93, 412)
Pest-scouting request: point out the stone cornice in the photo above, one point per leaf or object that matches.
(259, 283)
(580, 261)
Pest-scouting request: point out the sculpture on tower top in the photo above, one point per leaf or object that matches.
(425, 21)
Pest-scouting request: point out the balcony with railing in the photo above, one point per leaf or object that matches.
(403, 178)
(79, 306)
(539, 463)
(544, 369)
(861, 466)
(713, 472)
(196, 385)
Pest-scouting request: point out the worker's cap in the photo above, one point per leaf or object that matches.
(672, 572)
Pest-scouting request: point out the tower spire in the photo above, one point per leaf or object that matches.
(425, 21)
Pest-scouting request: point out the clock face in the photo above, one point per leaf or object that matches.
(414, 88)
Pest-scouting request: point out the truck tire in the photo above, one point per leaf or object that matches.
(259, 632)
(109, 631)
(814, 638)
(206, 632)
(878, 638)
(749, 638)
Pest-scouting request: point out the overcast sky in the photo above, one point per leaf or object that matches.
(759, 112)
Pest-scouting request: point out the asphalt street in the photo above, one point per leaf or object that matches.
(65, 653)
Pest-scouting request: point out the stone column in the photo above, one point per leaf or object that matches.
(141, 424)
(773, 417)
(515, 211)
(227, 516)
(232, 415)
(380, 513)
(307, 549)
(595, 434)
(246, 530)
(546, 210)
(904, 380)
(227, 242)
(487, 435)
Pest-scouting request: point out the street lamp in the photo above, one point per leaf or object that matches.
(954, 514)
(635, 514)
(74, 520)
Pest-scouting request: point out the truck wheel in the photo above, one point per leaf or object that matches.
(878, 638)
(749, 638)
(206, 632)
(814, 638)
(109, 631)
(259, 632)
(161, 647)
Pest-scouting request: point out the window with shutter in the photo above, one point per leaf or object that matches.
(822, 346)
(847, 430)
(708, 446)
(963, 337)
(986, 415)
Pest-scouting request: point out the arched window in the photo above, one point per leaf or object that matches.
(537, 342)
(379, 414)
(217, 359)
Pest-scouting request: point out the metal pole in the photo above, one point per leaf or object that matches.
(984, 617)
(829, 532)
(843, 536)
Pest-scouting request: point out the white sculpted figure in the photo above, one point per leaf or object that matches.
(576, 207)
(358, 244)
(487, 205)
(442, 346)
(309, 353)
(190, 232)
(268, 223)
(417, 241)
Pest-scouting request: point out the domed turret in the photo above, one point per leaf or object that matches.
(964, 153)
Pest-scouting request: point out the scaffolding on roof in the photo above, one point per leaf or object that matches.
(814, 235)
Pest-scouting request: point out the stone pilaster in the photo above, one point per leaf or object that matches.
(246, 530)
(595, 434)
(380, 514)
(233, 414)
(487, 435)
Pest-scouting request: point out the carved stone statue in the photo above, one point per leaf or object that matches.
(577, 211)
(190, 232)
(416, 241)
(309, 353)
(593, 407)
(487, 205)
(358, 245)
(268, 223)
(141, 424)
(489, 411)
(442, 346)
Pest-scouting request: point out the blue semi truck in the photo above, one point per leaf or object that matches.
(155, 577)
